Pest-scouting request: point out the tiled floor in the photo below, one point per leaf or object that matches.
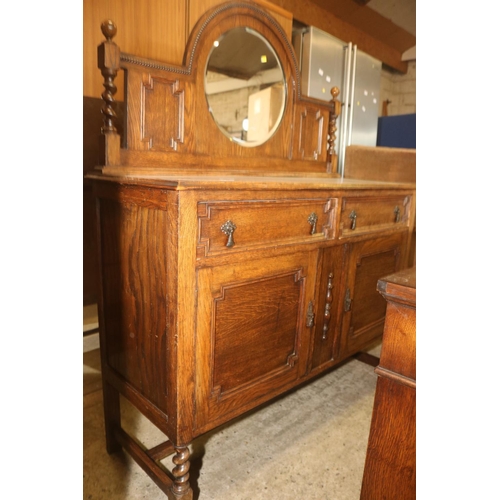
(310, 444)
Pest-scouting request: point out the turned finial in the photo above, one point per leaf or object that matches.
(108, 61)
(108, 29)
(332, 129)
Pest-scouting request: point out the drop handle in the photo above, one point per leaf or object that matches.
(397, 214)
(328, 306)
(353, 217)
(228, 229)
(313, 219)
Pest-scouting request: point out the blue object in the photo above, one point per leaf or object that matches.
(398, 131)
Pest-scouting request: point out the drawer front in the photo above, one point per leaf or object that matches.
(372, 214)
(229, 226)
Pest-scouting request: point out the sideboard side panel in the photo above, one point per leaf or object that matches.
(133, 241)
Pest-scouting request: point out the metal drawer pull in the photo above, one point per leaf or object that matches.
(328, 305)
(313, 219)
(228, 229)
(347, 300)
(397, 213)
(353, 216)
(310, 315)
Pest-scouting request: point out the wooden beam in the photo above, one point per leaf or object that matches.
(312, 14)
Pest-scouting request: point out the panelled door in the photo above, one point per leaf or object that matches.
(252, 332)
(364, 307)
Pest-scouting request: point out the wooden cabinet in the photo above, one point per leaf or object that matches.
(229, 273)
(198, 326)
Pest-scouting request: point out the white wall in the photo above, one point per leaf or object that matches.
(401, 90)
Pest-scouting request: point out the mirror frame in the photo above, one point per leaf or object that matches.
(243, 102)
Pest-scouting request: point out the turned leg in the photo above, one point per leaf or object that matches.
(181, 488)
(111, 402)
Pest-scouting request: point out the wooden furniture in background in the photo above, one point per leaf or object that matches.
(390, 468)
(381, 164)
(228, 274)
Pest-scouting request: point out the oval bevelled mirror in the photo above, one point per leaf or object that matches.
(245, 86)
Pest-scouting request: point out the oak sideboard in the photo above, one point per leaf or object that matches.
(234, 264)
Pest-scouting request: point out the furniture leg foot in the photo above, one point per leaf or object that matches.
(112, 420)
(181, 488)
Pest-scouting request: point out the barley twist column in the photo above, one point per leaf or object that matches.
(108, 57)
(180, 472)
(332, 129)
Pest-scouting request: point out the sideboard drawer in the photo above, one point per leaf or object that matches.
(229, 226)
(368, 214)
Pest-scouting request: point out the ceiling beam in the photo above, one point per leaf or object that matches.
(311, 14)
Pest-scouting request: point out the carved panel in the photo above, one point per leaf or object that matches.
(162, 113)
(311, 133)
(251, 331)
(267, 311)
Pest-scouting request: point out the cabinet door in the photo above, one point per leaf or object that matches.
(364, 307)
(252, 336)
(326, 335)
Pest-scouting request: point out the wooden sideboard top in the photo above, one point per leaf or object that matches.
(231, 181)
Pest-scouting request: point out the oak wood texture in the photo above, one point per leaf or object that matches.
(224, 270)
(363, 215)
(381, 163)
(196, 9)
(390, 467)
(155, 29)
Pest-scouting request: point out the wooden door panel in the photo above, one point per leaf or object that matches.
(251, 326)
(364, 307)
(274, 307)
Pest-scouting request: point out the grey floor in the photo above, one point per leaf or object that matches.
(310, 443)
